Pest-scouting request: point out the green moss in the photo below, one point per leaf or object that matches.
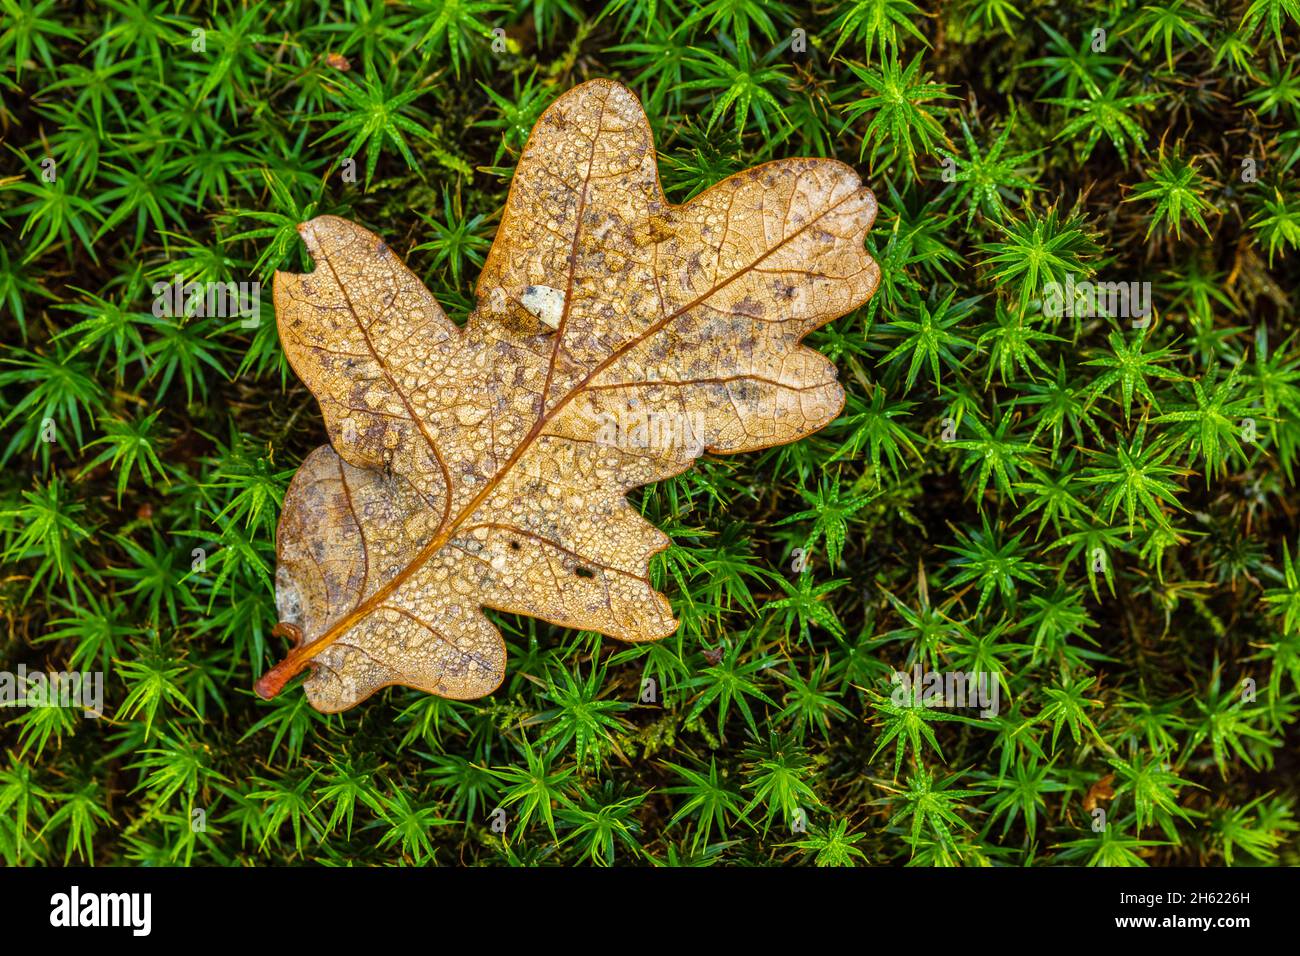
(1099, 508)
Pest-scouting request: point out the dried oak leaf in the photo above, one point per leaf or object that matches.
(488, 466)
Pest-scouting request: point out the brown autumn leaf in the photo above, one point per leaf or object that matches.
(616, 338)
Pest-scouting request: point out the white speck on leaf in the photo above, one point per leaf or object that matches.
(545, 303)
